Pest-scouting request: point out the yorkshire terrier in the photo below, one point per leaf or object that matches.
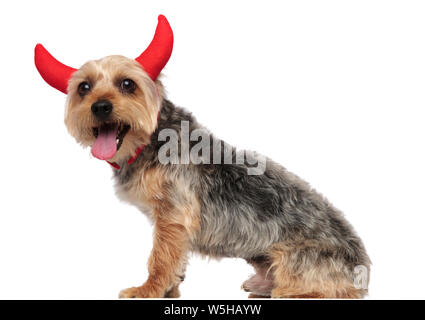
(204, 200)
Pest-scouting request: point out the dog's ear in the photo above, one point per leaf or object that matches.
(51, 70)
(157, 54)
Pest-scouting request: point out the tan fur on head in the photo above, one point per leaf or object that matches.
(139, 109)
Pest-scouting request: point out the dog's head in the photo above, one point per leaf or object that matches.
(112, 103)
(112, 106)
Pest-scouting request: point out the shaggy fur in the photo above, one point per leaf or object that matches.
(298, 243)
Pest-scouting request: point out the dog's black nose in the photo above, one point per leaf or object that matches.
(102, 109)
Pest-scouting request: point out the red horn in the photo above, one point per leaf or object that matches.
(156, 56)
(51, 70)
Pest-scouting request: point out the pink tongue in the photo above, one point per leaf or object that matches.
(105, 146)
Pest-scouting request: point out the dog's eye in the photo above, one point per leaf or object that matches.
(127, 86)
(83, 88)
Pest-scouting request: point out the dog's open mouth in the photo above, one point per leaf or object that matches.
(109, 137)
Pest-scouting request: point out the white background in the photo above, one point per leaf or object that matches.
(333, 90)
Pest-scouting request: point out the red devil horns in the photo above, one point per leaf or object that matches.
(153, 59)
(156, 56)
(52, 71)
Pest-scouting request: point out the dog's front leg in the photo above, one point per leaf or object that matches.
(167, 260)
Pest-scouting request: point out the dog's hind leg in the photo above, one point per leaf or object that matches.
(307, 270)
(260, 284)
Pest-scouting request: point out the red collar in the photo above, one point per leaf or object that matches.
(131, 160)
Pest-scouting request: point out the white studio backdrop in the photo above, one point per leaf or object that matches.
(333, 90)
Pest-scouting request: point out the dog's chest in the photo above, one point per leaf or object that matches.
(135, 192)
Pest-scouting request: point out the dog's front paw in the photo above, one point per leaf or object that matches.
(129, 293)
(138, 292)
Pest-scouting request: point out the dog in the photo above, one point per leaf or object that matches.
(299, 244)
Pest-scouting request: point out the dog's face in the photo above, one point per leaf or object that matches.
(112, 107)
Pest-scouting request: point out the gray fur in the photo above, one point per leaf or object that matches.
(244, 215)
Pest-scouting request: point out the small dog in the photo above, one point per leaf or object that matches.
(298, 243)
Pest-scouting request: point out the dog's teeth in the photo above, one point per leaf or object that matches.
(118, 140)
